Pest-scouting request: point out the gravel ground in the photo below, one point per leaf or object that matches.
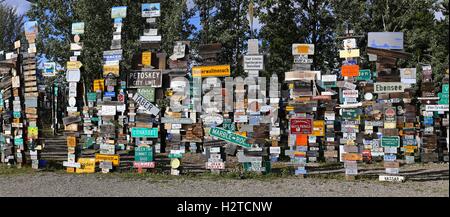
(55, 184)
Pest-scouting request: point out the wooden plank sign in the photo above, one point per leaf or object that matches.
(139, 99)
(145, 78)
(352, 156)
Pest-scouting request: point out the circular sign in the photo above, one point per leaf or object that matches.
(72, 101)
(390, 112)
(76, 38)
(368, 96)
(175, 163)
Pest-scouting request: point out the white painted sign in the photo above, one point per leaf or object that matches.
(108, 110)
(385, 40)
(391, 178)
(350, 93)
(329, 78)
(436, 108)
(73, 75)
(254, 62)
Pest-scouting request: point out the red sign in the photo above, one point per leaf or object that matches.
(350, 70)
(301, 125)
(144, 164)
(121, 97)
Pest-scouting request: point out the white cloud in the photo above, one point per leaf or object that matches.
(22, 6)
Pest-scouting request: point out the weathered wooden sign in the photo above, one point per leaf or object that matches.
(142, 101)
(145, 78)
(390, 87)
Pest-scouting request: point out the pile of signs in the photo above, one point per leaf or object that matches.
(73, 118)
(7, 97)
(393, 116)
(350, 108)
(302, 107)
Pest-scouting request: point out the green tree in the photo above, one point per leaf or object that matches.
(10, 26)
(225, 22)
(55, 20)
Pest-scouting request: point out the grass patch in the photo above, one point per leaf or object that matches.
(13, 170)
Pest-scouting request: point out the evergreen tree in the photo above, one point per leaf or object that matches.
(10, 26)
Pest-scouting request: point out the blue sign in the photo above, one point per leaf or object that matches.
(110, 94)
(390, 157)
(115, 57)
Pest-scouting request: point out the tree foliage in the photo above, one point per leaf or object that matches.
(10, 26)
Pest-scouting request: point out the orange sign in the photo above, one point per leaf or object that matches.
(71, 141)
(99, 84)
(301, 140)
(350, 70)
(319, 128)
(352, 156)
(146, 58)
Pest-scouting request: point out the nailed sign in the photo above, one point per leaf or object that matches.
(302, 49)
(385, 40)
(254, 62)
(390, 87)
(139, 132)
(229, 137)
(145, 78)
(211, 71)
(301, 126)
(139, 99)
(143, 154)
(390, 141)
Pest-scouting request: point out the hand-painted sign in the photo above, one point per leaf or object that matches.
(139, 99)
(211, 71)
(385, 40)
(229, 137)
(145, 78)
(139, 132)
(301, 126)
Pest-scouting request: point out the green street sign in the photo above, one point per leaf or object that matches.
(228, 124)
(229, 137)
(364, 75)
(143, 154)
(148, 93)
(140, 132)
(445, 89)
(177, 155)
(92, 97)
(390, 141)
